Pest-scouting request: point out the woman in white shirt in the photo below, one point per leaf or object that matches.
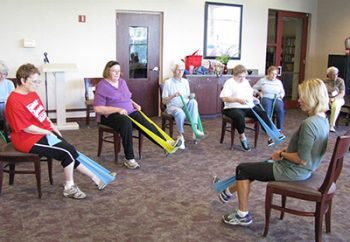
(237, 94)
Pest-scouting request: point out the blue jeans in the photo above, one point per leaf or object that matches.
(267, 104)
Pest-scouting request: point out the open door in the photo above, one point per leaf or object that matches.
(286, 49)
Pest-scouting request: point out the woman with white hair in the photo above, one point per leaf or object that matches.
(173, 88)
(336, 92)
(295, 163)
(6, 87)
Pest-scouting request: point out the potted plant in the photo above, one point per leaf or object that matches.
(224, 60)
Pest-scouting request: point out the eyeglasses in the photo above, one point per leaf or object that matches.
(4, 73)
(36, 81)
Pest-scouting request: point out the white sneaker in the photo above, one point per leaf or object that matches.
(182, 146)
(200, 135)
(131, 164)
(74, 192)
(332, 129)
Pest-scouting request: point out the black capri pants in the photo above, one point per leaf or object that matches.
(260, 171)
(63, 151)
(239, 114)
(123, 125)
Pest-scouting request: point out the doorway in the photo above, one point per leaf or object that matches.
(286, 49)
(138, 52)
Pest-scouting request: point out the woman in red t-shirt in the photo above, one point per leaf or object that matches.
(31, 130)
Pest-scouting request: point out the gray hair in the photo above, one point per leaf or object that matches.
(332, 69)
(3, 67)
(176, 63)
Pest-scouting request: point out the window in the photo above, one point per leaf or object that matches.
(222, 30)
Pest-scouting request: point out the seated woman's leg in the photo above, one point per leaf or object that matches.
(279, 109)
(267, 105)
(262, 114)
(193, 109)
(335, 111)
(123, 125)
(238, 115)
(179, 116)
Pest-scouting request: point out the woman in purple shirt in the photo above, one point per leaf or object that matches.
(112, 103)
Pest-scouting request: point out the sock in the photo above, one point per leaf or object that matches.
(68, 184)
(242, 214)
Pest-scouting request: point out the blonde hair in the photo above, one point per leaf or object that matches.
(314, 94)
(271, 69)
(238, 70)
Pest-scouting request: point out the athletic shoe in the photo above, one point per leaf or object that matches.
(223, 196)
(332, 129)
(74, 192)
(235, 219)
(245, 145)
(131, 164)
(182, 146)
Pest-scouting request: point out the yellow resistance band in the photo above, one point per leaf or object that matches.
(166, 144)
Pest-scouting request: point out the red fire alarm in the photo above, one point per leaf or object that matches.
(82, 18)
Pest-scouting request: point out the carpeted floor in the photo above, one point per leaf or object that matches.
(168, 199)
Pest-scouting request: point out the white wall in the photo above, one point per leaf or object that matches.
(55, 28)
(332, 29)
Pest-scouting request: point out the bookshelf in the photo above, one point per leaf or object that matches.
(288, 52)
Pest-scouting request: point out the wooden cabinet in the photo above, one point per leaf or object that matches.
(207, 89)
(342, 62)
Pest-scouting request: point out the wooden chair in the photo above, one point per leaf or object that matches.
(90, 82)
(113, 137)
(228, 124)
(11, 157)
(319, 189)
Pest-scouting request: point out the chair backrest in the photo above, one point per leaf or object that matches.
(161, 104)
(90, 82)
(336, 164)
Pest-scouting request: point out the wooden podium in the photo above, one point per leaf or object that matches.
(59, 70)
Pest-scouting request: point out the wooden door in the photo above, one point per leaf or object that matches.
(286, 48)
(138, 52)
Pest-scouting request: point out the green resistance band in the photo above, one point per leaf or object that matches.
(200, 127)
(3, 137)
(166, 144)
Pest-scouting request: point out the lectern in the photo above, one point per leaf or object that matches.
(59, 70)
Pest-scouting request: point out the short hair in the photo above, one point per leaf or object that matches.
(24, 71)
(108, 66)
(271, 68)
(314, 93)
(332, 69)
(3, 67)
(177, 63)
(239, 69)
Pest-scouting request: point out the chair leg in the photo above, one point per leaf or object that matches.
(1, 174)
(328, 217)
(257, 130)
(12, 169)
(171, 128)
(223, 129)
(318, 221)
(87, 121)
(38, 175)
(49, 168)
(232, 135)
(100, 141)
(283, 205)
(116, 138)
(268, 201)
(140, 144)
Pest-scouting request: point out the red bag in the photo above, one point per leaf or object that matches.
(193, 60)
